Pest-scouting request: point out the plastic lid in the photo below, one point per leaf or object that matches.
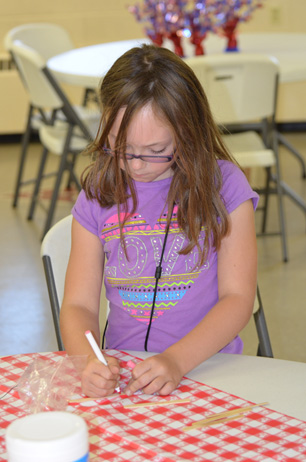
(47, 436)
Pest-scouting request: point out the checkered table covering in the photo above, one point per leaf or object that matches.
(120, 434)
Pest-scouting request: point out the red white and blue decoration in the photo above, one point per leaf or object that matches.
(174, 19)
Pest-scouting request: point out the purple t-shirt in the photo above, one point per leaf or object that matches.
(185, 294)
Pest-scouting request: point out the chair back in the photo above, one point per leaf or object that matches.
(56, 246)
(43, 88)
(55, 251)
(240, 88)
(30, 65)
(47, 39)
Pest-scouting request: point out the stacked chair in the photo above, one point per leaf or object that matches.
(64, 129)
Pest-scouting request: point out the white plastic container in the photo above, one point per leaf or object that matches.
(48, 437)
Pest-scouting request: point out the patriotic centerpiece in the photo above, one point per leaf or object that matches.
(231, 12)
(174, 19)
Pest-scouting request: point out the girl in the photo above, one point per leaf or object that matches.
(167, 218)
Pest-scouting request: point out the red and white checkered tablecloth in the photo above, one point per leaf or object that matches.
(120, 434)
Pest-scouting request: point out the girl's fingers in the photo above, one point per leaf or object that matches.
(99, 380)
(95, 387)
(155, 386)
(134, 385)
(157, 374)
(143, 376)
(112, 361)
(167, 389)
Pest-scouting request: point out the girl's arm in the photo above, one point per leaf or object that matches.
(80, 310)
(237, 276)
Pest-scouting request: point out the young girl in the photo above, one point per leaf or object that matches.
(167, 218)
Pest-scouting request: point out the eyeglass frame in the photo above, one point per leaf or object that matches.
(143, 157)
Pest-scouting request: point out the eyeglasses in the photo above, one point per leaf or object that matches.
(157, 159)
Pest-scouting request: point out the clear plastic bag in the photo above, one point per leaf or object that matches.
(48, 385)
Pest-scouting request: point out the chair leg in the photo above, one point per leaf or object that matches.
(293, 151)
(37, 183)
(264, 346)
(76, 181)
(55, 308)
(24, 149)
(89, 95)
(59, 175)
(54, 197)
(279, 190)
(266, 200)
(71, 178)
(86, 96)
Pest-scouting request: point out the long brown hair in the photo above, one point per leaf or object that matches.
(149, 74)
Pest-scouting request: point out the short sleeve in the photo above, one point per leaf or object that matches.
(87, 212)
(236, 188)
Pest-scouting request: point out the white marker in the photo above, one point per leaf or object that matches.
(97, 351)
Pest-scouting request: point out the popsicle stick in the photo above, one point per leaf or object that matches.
(157, 403)
(211, 422)
(238, 410)
(223, 416)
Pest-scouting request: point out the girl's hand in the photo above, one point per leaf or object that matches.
(158, 374)
(99, 380)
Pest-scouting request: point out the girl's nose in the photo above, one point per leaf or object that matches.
(136, 164)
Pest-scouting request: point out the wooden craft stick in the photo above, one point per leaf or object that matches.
(211, 422)
(223, 416)
(157, 403)
(238, 410)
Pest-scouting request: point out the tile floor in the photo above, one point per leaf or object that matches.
(25, 317)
